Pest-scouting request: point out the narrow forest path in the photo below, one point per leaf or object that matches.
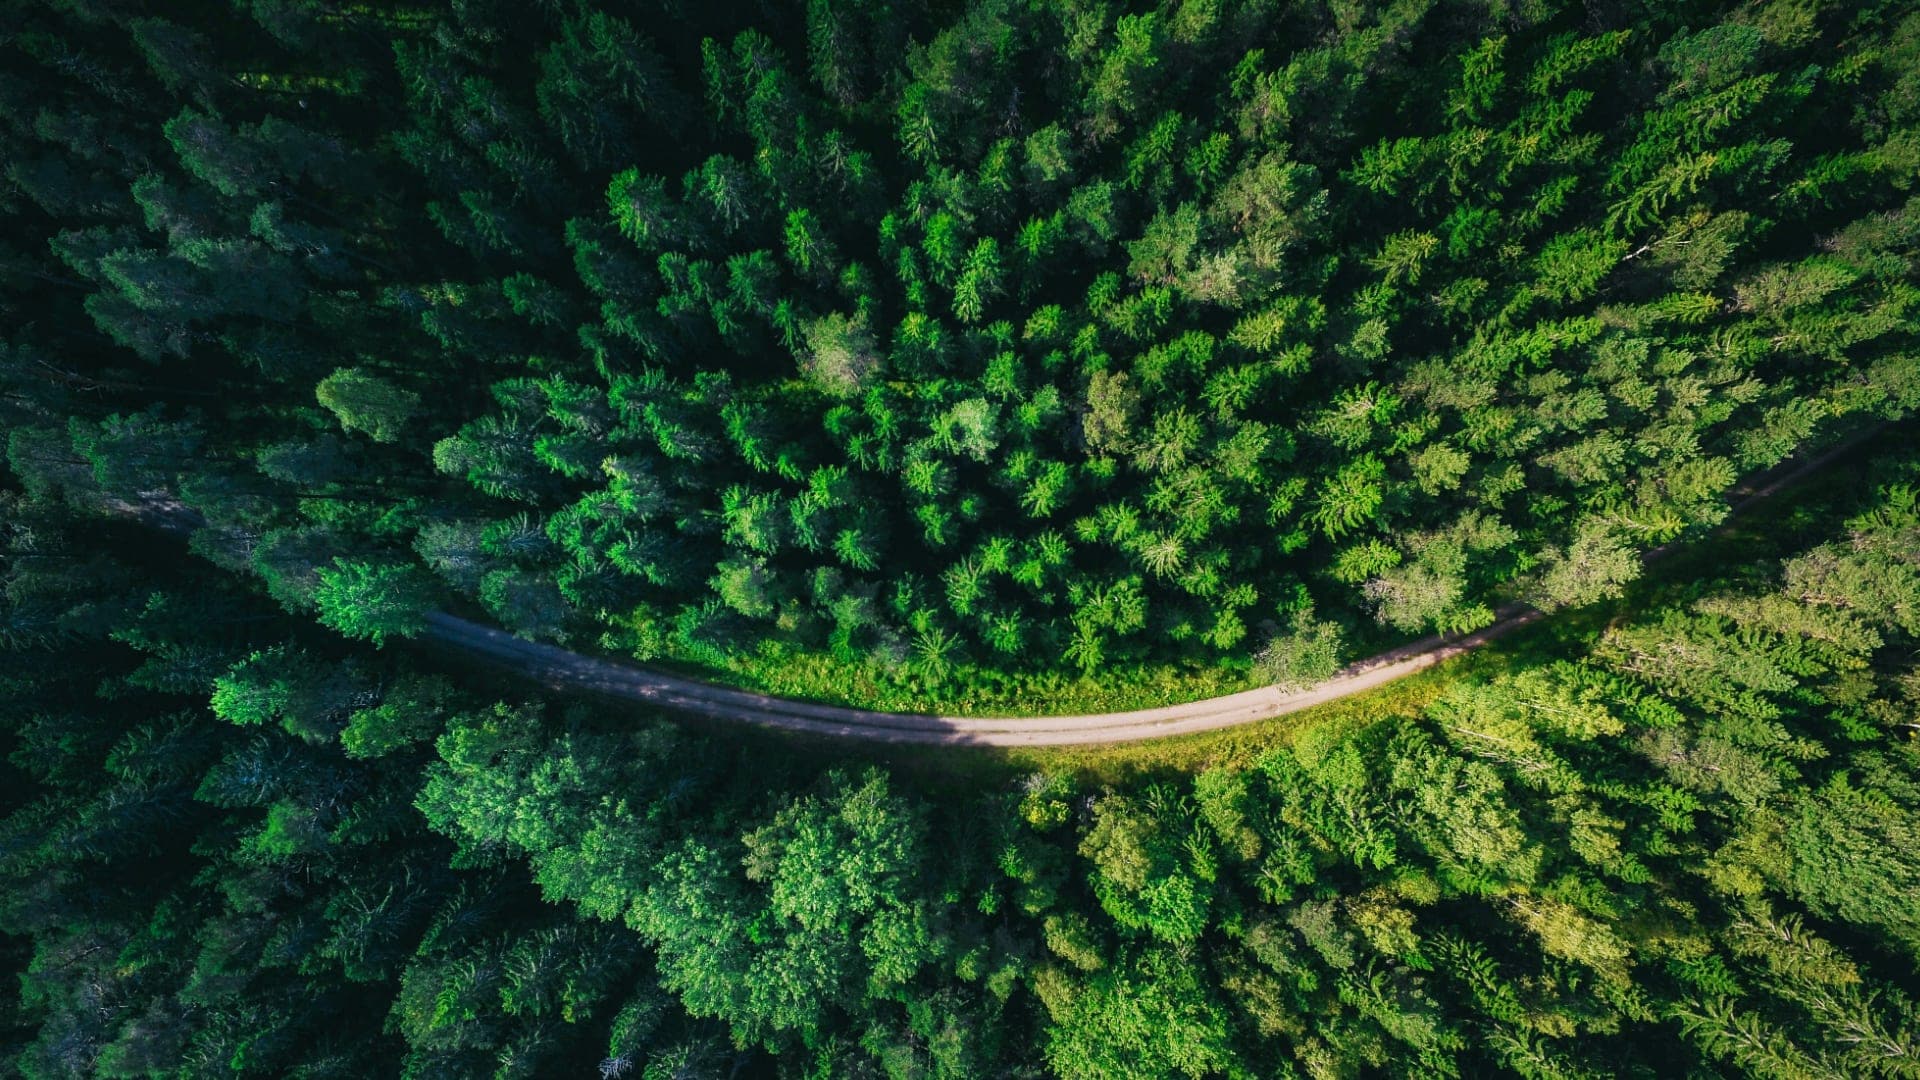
(562, 669)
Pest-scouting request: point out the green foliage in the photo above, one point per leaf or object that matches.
(839, 353)
(1308, 652)
(367, 402)
(373, 600)
(1148, 1016)
(287, 687)
(1152, 869)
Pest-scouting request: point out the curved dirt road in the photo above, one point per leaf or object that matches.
(566, 670)
(562, 669)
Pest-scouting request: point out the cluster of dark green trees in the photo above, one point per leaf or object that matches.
(232, 843)
(211, 863)
(938, 345)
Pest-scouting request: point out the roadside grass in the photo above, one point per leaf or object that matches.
(960, 770)
(784, 670)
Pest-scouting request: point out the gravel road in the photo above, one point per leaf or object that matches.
(566, 670)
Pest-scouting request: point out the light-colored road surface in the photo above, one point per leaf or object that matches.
(566, 670)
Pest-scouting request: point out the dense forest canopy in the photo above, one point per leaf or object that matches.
(939, 347)
(1005, 353)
